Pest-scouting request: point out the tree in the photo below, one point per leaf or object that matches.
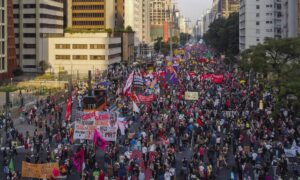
(164, 48)
(223, 35)
(184, 37)
(44, 65)
(129, 29)
(281, 59)
(273, 55)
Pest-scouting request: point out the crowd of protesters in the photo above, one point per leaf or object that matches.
(229, 131)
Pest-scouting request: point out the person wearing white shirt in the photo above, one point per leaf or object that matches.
(167, 175)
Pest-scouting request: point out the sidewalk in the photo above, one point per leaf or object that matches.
(22, 126)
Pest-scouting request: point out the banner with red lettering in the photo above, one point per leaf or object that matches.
(146, 99)
(216, 78)
(68, 109)
(205, 76)
(192, 74)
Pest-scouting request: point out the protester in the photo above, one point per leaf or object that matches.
(191, 117)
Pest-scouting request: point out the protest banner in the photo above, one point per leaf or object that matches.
(109, 133)
(86, 132)
(146, 99)
(40, 171)
(83, 132)
(192, 96)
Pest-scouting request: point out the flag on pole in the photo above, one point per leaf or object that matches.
(135, 98)
(78, 160)
(135, 107)
(11, 166)
(128, 83)
(68, 108)
(99, 141)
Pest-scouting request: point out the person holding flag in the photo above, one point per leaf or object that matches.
(99, 141)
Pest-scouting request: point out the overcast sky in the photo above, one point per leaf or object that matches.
(193, 9)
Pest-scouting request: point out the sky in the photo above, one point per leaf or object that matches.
(193, 9)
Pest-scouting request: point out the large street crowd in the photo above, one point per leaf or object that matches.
(228, 132)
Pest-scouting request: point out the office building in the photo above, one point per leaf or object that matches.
(133, 18)
(223, 8)
(290, 18)
(146, 39)
(35, 21)
(207, 19)
(7, 40)
(119, 14)
(93, 14)
(76, 53)
(160, 12)
(268, 18)
(182, 22)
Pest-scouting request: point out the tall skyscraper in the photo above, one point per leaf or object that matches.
(93, 14)
(7, 40)
(133, 18)
(137, 16)
(119, 14)
(268, 18)
(35, 21)
(146, 21)
(160, 12)
(223, 8)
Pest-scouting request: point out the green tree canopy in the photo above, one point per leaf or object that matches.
(223, 35)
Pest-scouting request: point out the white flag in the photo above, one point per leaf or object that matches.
(135, 107)
(128, 82)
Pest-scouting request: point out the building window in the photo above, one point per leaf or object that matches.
(99, 57)
(51, 26)
(257, 23)
(79, 46)
(110, 46)
(257, 39)
(29, 66)
(29, 46)
(28, 6)
(16, 16)
(79, 57)
(3, 64)
(29, 25)
(257, 31)
(29, 35)
(62, 46)
(29, 15)
(257, 14)
(62, 57)
(257, 6)
(29, 56)
(54, 8)
(97, 46)
(49, 16)
(113, 56)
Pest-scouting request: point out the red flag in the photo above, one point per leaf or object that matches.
(99, 141)
(78, 159)
(200, 123)
(68, 108)
(134, 98)
(218, 78)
